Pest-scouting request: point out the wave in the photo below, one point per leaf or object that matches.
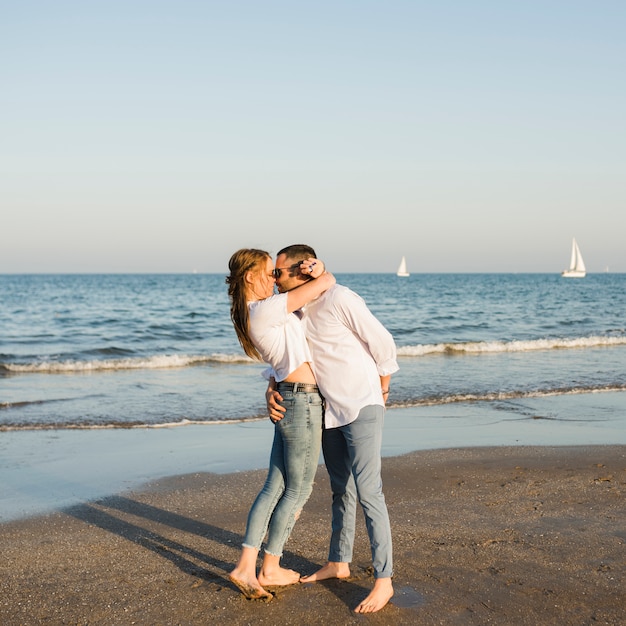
(490, 347)
(494, 396)
(153, 362)
(166, 361)
(408, 403)
(26, 403)
(129, 425)
(19, 405)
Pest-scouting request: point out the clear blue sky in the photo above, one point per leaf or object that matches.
(154, 136)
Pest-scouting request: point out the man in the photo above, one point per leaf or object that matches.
(353, 359)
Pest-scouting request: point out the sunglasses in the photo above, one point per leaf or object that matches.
(292, 268)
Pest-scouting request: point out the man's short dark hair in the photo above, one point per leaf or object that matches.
(298, 251)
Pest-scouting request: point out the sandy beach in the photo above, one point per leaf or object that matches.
(501, 535)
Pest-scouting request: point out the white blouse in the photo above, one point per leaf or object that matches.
(278, 335)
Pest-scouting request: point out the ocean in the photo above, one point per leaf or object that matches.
(147, 351)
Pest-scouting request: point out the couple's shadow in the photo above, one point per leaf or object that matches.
(111, 514)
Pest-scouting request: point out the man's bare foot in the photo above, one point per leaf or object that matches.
(279, 577)
(250, 587)
(332, 569)
(378, 597)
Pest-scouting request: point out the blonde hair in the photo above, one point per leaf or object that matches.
(241, 262)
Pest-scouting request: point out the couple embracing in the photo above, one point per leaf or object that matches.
(330, 362)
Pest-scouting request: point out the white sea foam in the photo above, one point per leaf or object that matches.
(153, 362)
(182, 360)
(489, 347)
(122, 426)
(507, 395)
(495, 396)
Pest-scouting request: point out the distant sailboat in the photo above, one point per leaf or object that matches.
(402, 268)
(576, 265)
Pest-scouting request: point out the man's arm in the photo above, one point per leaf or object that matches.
(356, 315)
(385, 381)
(272, 399)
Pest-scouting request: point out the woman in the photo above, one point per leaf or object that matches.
(268, 330)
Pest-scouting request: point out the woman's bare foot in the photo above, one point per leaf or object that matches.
(249, 586)
(332, 569)
(278, 577)
(378, 597)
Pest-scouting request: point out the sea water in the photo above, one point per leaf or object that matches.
(146, 351)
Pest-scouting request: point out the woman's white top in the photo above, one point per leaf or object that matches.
(278, 335)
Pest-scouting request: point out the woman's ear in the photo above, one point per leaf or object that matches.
(249, 277)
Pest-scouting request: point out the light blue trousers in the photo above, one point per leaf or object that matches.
(352, 457)
(293, 463)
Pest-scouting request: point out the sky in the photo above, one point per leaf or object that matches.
(161, 136)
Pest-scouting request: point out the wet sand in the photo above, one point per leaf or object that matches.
(505, 535)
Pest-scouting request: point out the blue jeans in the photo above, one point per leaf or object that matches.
(293, 463)
(352, 457)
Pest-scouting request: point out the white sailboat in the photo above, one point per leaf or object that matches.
(402, 268)
(576, 265)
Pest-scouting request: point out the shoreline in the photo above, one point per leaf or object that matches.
(504, 535)
(46, 470)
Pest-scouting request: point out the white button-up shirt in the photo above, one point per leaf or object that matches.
(351, 350)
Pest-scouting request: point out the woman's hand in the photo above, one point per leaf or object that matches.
(312, 267)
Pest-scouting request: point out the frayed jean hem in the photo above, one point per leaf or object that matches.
(273, 554)
(247, 545)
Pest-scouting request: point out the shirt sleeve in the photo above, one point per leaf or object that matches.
(268, 313)
(268, 373)
(355, 314)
